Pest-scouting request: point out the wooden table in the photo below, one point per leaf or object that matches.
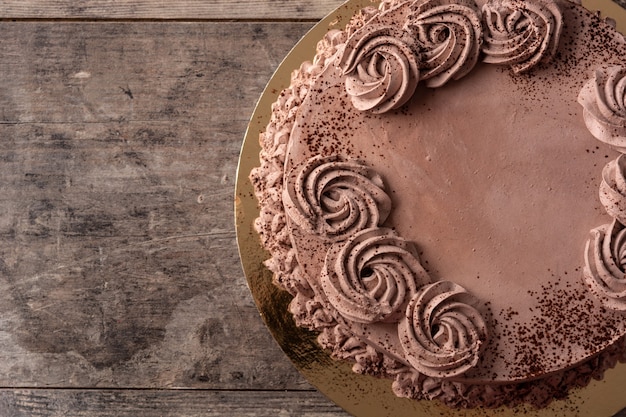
(121, 292)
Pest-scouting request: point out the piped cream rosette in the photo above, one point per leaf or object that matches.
(334, 198)
(521, 34)
(442, 332)
(372, 276)
(605, 253)
(449, 34)
(382, 69)
(604, 102)
(605, 265)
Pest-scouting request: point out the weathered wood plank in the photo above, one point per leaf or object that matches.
(118, 149)
(211, 73)
(148, 403)
(161, 9)
(195, 9)
(163, 403)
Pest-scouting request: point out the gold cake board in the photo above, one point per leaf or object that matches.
(359, 395)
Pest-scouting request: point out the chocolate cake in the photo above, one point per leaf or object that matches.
(443, 192)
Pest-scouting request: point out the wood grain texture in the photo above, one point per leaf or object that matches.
(149, 403)
(164, 10)
(118, 261)
(170, 403)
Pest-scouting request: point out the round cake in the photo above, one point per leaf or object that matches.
(442, 191)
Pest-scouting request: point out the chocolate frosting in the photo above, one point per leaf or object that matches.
(521, 33)
(606, 264)
(372, 276)
(449, 34)
(438, 242)
(442, 332)
(335, 199)
(381, 70)
(603, 99)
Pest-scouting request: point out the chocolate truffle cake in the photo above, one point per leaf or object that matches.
(443, 192)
